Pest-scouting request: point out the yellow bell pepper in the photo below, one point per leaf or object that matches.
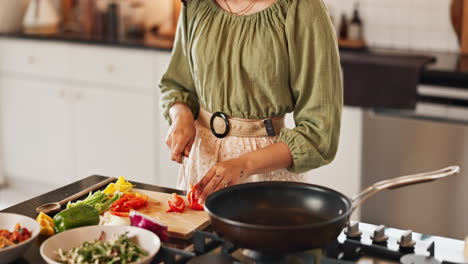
(46, 223)
(121, 185)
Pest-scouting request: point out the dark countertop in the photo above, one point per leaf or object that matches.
(28, 208)
(448, 68)
(155, 43)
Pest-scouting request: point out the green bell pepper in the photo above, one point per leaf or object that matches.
(77, 216)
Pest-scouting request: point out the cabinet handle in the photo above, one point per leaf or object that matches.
(31, 60)
(61, 93)
(71, 96)
(78, 96)
(110, 68)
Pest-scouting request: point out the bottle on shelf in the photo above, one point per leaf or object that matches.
(355, 27)
(41, 18)
(343, 32)
(113, 22)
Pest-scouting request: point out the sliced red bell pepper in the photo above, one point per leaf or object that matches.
(176, 205)
(122, 214)
(120, 201)
(127, 202)
(192, 201)
(135, 203)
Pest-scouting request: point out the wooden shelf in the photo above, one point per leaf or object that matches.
(352, 44)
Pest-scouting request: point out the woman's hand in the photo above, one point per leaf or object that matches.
(221, 175)
(230, 172)
(181, 133)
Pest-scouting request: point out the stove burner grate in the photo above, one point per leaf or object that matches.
(209, 248)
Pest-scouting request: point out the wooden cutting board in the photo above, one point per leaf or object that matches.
(180, 225)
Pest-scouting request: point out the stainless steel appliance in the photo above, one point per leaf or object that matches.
(436, 103)
(396, 144)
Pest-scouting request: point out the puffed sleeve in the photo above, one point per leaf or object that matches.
(177, 85)
(316, 85)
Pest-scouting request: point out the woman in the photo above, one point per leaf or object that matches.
(237, 67)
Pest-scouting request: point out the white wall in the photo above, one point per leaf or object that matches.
(403, 24)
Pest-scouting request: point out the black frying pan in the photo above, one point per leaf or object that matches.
(291, 216)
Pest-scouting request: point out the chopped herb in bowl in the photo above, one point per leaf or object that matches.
(119, 250)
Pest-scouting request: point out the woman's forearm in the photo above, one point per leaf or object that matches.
(274, 157)
(182, 132)
(180, 109)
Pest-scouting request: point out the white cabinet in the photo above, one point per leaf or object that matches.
(344, 173)
(36, 131)
(167, 169)
(114, 134)
(132, 69)
(41, 59)
(69, 111)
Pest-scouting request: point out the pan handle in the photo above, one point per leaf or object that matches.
(402, 182)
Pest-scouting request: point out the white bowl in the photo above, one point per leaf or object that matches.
(69, 239)
(8, 221)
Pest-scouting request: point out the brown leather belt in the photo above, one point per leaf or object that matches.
(222, 125)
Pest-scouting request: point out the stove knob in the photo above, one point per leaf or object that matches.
(379, 237)
(352, 231)
(406, 242)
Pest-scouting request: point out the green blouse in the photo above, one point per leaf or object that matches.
(276, 61)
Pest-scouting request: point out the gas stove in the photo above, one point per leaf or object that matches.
(358, 243)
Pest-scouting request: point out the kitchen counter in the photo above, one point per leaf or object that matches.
(441, 94)
(447, 75)
(151, 43)
(449, 69)
(444, 248)
(28, 208)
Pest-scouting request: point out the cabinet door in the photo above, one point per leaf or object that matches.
(114, 133)
(167, 169)
(128, 68)
(344, 173)
(36, 131)
(32, 57)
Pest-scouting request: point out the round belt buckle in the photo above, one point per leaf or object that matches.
(226, 122)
